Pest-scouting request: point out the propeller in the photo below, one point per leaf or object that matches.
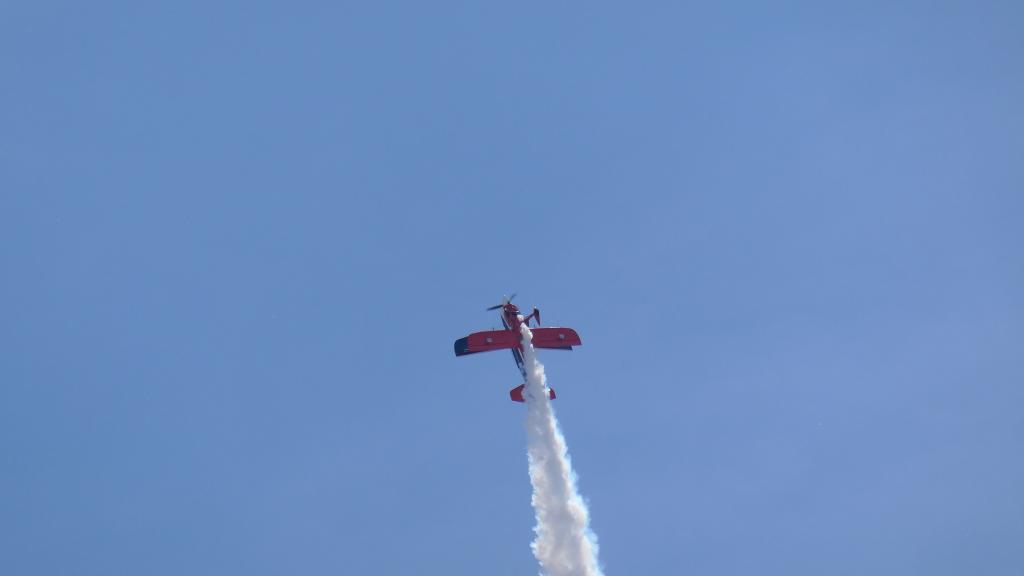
(504, 301)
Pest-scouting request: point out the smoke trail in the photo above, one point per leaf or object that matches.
(564, 546)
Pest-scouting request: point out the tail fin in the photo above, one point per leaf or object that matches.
(517, 393)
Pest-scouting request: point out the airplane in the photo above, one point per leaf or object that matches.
(510, 337)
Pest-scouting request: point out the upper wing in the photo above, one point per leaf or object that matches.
(563, 338)
(486, 341)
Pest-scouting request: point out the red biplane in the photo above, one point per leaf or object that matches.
(510, 337)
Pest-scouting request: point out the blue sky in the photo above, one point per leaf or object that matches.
(238, 241)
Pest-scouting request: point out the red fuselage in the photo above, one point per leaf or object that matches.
(510, 314)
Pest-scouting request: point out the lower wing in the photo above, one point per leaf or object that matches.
(560, 338)
(486, 341)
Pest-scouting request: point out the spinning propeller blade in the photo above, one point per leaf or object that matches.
(504, 301)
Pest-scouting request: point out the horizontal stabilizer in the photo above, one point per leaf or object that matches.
(517, 393)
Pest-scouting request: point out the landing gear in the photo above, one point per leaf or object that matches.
(535, 315)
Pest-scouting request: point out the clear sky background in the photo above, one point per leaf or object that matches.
(238, 240)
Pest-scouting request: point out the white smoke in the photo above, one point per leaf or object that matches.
(564, 546)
